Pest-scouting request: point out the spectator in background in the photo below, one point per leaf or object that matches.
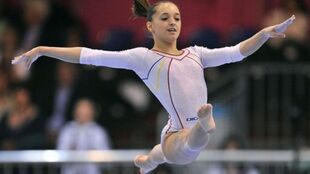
(83, 133)
(57, 103)
(296, 46)
(43, 22)
(76, 34)
(300, 31)
(21, 128)
(8, 45)
(8, 48)
(35, 14)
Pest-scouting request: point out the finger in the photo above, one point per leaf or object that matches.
(283, 26)
(277, 35)
(16, 60)
(19, 59)
(289, 20)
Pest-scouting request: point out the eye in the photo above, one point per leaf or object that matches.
(164, 18)
(177, 19)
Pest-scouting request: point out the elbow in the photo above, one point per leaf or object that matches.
(245, 50)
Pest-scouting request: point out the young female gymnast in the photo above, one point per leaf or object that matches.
(174, 76)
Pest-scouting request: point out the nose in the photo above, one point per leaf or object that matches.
(172, 22)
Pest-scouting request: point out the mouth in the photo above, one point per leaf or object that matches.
(172, 30)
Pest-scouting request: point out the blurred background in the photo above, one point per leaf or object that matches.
(261, 103)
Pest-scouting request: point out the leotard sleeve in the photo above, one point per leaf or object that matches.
(218, 56)
(128, 59)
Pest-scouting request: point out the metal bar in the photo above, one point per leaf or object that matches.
(54, 156)
(125, 156)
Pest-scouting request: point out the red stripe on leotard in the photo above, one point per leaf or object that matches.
(171, 95)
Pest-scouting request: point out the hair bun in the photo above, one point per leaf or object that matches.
(140, 7)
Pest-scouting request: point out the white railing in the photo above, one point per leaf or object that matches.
(121, 161)
(127, 156)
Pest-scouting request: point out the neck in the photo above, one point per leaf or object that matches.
(170, 48)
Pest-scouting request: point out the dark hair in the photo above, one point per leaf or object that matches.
(143, 8)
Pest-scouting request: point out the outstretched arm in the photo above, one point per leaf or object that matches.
(252, 44)
(127, 59)
(71, 55)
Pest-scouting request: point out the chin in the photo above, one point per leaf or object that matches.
(172, 39)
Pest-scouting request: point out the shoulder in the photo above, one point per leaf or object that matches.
(98, 130)
(96, 127)
(137, 54)
(143, 49)
(69, 126)
(137, 51)
(196, 48)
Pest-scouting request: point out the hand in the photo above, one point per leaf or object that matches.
(277, 31)
(27, 58)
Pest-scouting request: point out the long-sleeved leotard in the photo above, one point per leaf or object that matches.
(176, 80)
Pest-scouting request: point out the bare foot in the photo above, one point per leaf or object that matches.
(142, 162)
(206, 118)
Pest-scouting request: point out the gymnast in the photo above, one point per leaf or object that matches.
(175, 77)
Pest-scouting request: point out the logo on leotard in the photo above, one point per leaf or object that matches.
(192, 119)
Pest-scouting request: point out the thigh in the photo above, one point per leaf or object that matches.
(174, 148)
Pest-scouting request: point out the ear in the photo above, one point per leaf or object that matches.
(149, 26)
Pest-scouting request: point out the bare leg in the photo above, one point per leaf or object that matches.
(199, 135)
(149, 162)
(184, 146)
(181, 147)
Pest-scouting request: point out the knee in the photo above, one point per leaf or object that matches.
(176, 150)
(180, 159)
(180, 156)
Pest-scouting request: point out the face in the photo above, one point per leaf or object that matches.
(166, 23)
(36, 11)
(84, 112)
(22, 97)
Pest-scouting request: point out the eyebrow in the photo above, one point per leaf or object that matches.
(168, 14)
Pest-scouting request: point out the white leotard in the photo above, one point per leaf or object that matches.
(176, 80)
